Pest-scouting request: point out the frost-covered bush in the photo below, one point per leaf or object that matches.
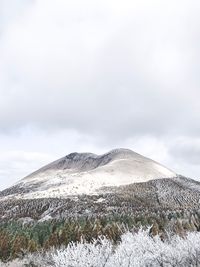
(136, 250)
(97, 253)
(142, 250)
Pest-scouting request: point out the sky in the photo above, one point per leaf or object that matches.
(90, 76)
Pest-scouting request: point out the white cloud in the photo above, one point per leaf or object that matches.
(17, 164)
(89, 56)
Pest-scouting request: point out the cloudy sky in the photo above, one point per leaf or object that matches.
(95, 75)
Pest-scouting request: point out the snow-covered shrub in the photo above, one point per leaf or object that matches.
(137, 250)
(97, 253)
(134, 250)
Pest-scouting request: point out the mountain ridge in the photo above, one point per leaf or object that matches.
(86, 184)
(87, 173)
(75, 156)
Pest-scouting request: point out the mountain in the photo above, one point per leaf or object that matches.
(85, 184)
(87, 173)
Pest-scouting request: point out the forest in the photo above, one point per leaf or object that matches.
(19, 239)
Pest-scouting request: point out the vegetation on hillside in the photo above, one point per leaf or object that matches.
(18, 238)
(135, 249)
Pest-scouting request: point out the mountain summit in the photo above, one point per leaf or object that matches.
(86, 184)
(87, 173)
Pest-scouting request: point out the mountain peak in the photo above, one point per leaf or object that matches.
(121, 150)
(87, 173)
(82, 155)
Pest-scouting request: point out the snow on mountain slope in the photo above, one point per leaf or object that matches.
(87, 173)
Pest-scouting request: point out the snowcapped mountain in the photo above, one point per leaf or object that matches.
(84, 184)
(87, 173)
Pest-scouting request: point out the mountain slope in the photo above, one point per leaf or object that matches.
(87, 173)
(84, 196)
(118, 182)
(153, 197)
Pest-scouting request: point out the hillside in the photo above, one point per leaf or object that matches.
(118, 182)
(87, 173)
(83, 196)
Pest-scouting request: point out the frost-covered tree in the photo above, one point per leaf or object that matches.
(135, 250)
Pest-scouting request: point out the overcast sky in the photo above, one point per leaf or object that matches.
(97, 75)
